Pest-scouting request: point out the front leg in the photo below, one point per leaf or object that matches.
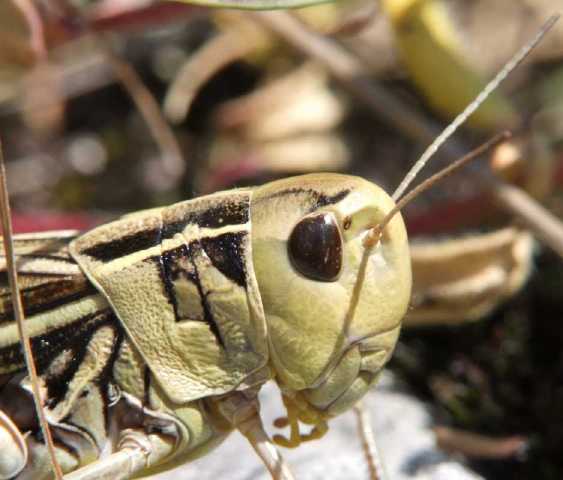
(242, 411)
(13, 448)
(136, 452)
(143, 438)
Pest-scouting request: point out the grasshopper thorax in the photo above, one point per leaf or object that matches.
(327, 343)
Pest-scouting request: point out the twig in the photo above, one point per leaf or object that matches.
(349, 71)
(546, 226)
(172, 158)
(219, 51)
(20, 316)
(35, 24)
(479, 446)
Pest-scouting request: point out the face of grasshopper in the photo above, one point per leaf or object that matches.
(326, 346)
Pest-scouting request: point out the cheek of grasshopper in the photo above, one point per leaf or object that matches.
(327, 347)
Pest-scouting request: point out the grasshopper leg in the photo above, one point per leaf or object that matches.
(13, 448)
(253, 430)
(373, 459)
(242, 410)
(136, 452)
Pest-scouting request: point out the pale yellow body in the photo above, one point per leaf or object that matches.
(203, 308)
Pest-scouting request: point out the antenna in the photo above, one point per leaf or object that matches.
(474, 105)
(374, 234)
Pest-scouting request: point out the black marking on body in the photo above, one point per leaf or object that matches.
(224, 214)
(17, 403)
(226, 252)
(318, 199)
(57, 385)
(324, 200)
(147, 388)
(123, 246)
(51, 343)
(47, 296)
(207, 315)
(29, 275)
(170, 270)
(106, 375)
(178, 263)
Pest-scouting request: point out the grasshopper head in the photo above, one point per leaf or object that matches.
(328, 338)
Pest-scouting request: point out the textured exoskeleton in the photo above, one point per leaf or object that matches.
(153, 334)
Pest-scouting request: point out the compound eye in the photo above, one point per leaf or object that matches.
(315, 247)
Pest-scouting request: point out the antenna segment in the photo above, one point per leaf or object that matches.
(474, 105)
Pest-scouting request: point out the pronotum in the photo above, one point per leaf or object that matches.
(156, 331)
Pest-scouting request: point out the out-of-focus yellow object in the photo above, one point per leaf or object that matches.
(431, 51)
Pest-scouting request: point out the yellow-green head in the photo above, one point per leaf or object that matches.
(332, 323)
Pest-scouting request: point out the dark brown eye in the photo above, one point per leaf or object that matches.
(315, 248)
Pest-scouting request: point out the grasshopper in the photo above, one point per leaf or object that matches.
(160, 313)
(154, 333)
(162, 325)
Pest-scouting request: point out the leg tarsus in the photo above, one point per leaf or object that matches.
(294, 416)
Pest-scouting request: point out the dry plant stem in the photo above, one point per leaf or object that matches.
(479, 446)
(349, 71)
(172, 159)
(375, 233)
(253, 430)
(221, 50)
(20, 317)
(356, 22)
(35, 24)
(546, 226)
(373, 459)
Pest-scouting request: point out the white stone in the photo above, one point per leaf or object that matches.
(402, 425)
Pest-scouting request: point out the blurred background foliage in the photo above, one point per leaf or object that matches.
(109, 106)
